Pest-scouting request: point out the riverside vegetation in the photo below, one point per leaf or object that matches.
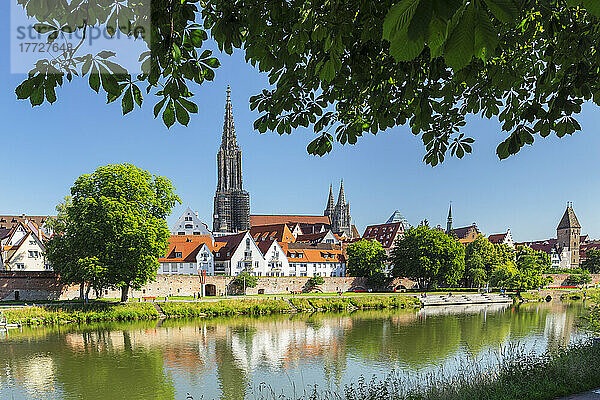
(102, 311)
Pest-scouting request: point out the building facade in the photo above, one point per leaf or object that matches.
(188, 255)
(22, 248)
(568, 234)
(232, 202)
(189, 224)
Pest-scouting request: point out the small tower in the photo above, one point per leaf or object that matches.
(449, 222)
(568, 234)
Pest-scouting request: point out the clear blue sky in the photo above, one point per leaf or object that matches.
(45, 149)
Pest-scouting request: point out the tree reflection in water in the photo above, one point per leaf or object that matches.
(228, 358)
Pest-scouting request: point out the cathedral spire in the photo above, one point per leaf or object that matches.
(342, 195)
(229, 139)
(449, 222)
(330, 202)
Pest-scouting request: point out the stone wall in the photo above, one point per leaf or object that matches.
(560, 279)
(36, 286)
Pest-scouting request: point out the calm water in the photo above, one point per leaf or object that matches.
(226, 358)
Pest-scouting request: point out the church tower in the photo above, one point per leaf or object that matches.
(568, 234)
(232, 203)
(339, 214)
(449, 221)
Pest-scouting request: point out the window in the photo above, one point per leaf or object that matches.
(248, 243)
(181, 233)
(20, 266)
(189, 226)
(196, 233)
(166, 267)
(47, 267)
(174, 267)
(248, 254)
(188, 218)
(255, 264)
(32, 242)
(33, 253)
(177, 254)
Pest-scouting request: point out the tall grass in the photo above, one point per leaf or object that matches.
(78, 313)
(226, 307)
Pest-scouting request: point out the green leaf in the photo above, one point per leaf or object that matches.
(127, 102)
(459, 46)
(158, 106)
(419, 25)
(94, 79)
(188, 105)
(505, 10)
(593, 6)
(399, 17)
(182, 115)
(169, 114)
(137, 95)
(404, 49)
(486, 37)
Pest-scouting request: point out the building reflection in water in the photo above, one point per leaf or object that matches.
(225, 358)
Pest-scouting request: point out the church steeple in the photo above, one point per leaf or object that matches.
(342, 195)
(449, 222)
(330, 203)
(232, 203)
(229, 141)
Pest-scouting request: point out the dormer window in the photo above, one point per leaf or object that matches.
(178, 254)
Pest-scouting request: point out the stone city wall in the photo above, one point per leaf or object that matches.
(561, 279)
(36, 286)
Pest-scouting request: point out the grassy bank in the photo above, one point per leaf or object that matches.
(79, 313)
(226, 307)
(103, 311)
(360, 303)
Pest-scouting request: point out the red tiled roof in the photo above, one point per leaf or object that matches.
(384, 233)
(188, 248)
(10, 221)
(265, 245)
(256, 220)
(540, 245)
(279, 232)
(497, 238)
(311, 237)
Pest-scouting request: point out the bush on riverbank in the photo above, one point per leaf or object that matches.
(531, 296)
(66, 313)
(380, 302)
(331, 304)
(302, 304)
(226, 307)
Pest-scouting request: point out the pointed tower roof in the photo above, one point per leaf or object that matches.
(397, 217)
(342, 195)
(229, 140)
(569, 219)
(330, 201)
(450, 212)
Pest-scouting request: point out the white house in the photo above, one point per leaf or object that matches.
(23, 249)
(188, 255)
(238, 253)
(321, 260)
(276, 261)
(189, 224)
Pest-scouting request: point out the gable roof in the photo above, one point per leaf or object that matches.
(497, 238)
(312, 237)
(384, 233)
(188, 245)
(265, 245)
(270, 219)
(10, 221)
(279, 232)
(569, 219)
(4, 232)
(227, 245)
(461, 233)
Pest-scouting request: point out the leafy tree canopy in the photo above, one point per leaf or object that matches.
(526, 273)
(592, 261)
(245, 280)
(482, 258)
(112, 229)
(366, 258)
(430, 257)
(348, 67)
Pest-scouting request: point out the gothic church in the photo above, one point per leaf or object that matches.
(339, 213)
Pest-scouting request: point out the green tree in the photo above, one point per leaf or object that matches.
(315, 281)
(347, 68)
(525, 273)
(112, 230)
(430, 257)
(480, 261)
(366, 258)
(592, 261)
(245, 280)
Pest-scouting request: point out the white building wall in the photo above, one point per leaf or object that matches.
(29, 257)
(204, 261)
(247, 257)
(189, 224)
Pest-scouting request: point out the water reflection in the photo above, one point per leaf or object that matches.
(225, 358)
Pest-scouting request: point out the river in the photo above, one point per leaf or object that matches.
(229, 358)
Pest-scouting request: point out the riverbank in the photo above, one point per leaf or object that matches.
(105, 311)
